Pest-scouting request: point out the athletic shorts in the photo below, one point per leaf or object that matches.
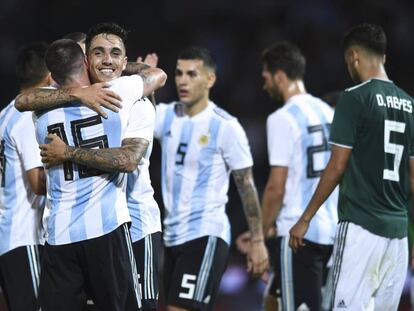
(192, 272)
(146, 253)
(368, 271)
(19, 277)
(298, 277)
(103, 268)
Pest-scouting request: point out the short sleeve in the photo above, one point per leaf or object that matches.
(141, 120)
(235, 146)
(159, 119)
(24, 137)
(346, 120)
(130, 88)
(280, 140)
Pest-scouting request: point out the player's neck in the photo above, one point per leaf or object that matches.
(78, 80)
(197, 107)
(375, 73)
(296, 87)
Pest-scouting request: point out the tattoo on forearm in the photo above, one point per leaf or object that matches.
(40, 99)
(135, 68)
(250, 200)
(123, 159)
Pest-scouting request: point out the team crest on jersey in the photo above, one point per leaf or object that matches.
(204, 139)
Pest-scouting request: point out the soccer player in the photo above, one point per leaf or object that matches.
(298, 153)
(88, 245)
(372, 138)
(105, 46)
(201, 145)
(22, 182)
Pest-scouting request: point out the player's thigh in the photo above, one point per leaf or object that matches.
(308, 265)
(20, 271)
(111, 269)
(393, 271)
(146, 252)
(195, 277)
(62, 278)
(357, 259)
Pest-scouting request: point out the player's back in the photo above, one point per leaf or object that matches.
(20, 208)
(375, 188)
(307, 122)
(85, 202)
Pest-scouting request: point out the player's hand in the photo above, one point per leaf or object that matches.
(150, 59)
(97, 96)
(257, 258)
(297, 232)
(53, 153)
(243, 242)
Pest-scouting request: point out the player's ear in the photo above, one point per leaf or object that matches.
(124, 63)
(211, 79)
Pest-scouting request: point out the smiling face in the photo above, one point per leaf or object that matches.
(106, 58)
(193, 81)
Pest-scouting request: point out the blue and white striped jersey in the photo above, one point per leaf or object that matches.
(20, 209)
(86, 203)
(198, 155)
(143, 208)
(297, 137)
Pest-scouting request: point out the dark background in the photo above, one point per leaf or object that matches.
(236, 32)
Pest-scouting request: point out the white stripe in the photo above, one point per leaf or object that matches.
(205, 268)
(36, 265)
(32, 269)
(145, 276)
(340, 145)
(286, 273)
(133, 265)
(151, 266)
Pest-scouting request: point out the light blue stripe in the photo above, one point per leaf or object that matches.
(10, 190)
(77, 227)
(112, 129)
(205, 167)
(288, 299)
(165, 135)
(134, 207)
(177, 178)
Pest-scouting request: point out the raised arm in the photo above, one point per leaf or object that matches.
(93, 96)
(330, 178)
(153, 78)
(257, 256)
(123, 159)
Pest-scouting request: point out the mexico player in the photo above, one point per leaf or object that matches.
(22, 180)
(372, 139)
(201, 145)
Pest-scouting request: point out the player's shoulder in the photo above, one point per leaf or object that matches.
(222, 114)
(359, 87)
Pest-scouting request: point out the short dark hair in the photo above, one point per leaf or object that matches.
(31, 67)
(199, 53)
(109, 28)
(64, 58)
(287, 57)
(369, 36)
(79, 37)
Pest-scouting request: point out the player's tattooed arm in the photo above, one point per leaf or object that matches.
(153, 78)
(123, 159)
(257, 257)
(95, 97)
(250, 200)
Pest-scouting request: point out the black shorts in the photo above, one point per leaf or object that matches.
(19, 277)
(146, 253)
(192, 272)
(103, 268)
(298, 277)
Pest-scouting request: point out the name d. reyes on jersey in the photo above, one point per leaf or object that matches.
(394, 102)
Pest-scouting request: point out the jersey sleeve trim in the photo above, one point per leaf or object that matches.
(341, 145)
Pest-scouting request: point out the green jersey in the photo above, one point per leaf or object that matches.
(375, 119)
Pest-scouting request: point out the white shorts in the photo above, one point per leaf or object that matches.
(369, 270)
